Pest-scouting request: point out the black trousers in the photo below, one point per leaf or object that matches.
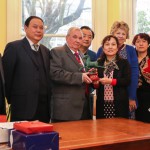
(42, 112)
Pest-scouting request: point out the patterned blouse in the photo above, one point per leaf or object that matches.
(144, 75)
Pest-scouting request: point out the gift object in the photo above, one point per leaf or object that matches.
(33, 127)
(4, 131)
(88, 64)
(38, 141)
(3, 118)
(94, 77)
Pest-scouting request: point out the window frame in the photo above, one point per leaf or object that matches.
(127, 13)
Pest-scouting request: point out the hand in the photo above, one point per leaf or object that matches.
(94, 77)
(85, 78)
(105, 81)
(132, 105)
(93, 71)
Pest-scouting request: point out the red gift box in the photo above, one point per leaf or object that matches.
(94, 77)
(3, 118)
(33, 127)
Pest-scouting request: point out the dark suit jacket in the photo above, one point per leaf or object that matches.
(92, 55)
(21, 72)
(2, 89)
(68, 92)
(121, 100)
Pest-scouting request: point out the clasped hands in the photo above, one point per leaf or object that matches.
(92, 77)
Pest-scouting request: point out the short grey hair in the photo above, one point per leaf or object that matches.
(73, 29)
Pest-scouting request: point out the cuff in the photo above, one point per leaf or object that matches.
(113, 82)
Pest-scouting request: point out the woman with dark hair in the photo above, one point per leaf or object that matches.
(120, 29)
(112, 95)
(141, 42)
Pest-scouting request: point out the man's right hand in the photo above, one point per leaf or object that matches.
(85, 78)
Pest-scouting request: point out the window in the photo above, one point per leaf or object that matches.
(58, 16)
(142, 16)
(137, 14)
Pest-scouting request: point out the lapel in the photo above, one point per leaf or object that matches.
(71, 55)
(2, 75)
(1, 70)
(44, 57)
(116, 70)
(101, 70)
(82, 56)
(28, 50)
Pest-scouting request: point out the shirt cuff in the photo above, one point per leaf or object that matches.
(113, 82)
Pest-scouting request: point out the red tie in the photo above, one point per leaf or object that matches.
(77, 57)
(79, 60)
(83, 70)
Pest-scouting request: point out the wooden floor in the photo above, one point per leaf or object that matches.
(104, 134)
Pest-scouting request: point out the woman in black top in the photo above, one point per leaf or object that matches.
(114, 78)
(141, 42)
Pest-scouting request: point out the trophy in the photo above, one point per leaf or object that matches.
(91, 67)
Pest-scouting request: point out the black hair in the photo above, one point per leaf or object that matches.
(144, 36)
(27, 22)
(108, 38)
(88, 28)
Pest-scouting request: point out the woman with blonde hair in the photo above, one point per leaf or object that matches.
(120, 29)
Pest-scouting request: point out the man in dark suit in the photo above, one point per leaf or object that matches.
(88, 36)
(69, 99)
(2, 89)
(26, 65)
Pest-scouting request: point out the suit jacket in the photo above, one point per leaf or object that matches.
(21, 72)
(2, 89)
(120, 92)
(68, 92)
(92, 55)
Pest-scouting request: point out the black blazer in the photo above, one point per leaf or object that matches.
(121, 100)
(21, 72)
(2, 89)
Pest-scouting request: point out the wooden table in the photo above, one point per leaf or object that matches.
(104, 134)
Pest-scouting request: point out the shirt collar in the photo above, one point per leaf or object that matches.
(72, 50)
(31, 43)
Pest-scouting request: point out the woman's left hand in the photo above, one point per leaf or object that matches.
(132, 105)
(105, 81)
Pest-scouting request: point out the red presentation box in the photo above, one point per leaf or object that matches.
(3, 118)
(33, 127)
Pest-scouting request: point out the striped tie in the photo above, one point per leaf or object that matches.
(83, 70)
(36, 47)
(77, 57)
